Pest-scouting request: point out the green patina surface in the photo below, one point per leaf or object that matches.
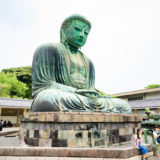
(149, 124)
(63, 78)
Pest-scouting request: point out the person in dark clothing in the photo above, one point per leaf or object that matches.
(10, 124)
(1, 125)
(5, 124)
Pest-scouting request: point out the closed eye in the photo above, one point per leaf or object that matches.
(77, 28)
(86, 33)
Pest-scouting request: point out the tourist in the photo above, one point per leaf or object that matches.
(139, 144)
(5, 124)
(9, 124)
(2, 121)
(156, 134)
(1, 125)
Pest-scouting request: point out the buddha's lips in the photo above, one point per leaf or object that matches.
(80, 39)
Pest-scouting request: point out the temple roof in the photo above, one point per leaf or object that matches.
(141, 104)
(15, 103)
(142, 91)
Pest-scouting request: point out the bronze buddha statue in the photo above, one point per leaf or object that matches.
(63, 78)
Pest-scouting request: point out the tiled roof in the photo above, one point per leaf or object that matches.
(15, 103)
(142, 91)
(141, 104)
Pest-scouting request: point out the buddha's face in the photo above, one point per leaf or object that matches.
(76, 33)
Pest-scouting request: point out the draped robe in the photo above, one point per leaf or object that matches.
(54, 88)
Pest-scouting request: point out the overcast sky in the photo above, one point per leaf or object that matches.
(124, 42)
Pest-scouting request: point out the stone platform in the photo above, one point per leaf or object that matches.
(77, 129)
(46, 153)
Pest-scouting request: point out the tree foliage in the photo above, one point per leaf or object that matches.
(153, 86)
(4, 90)
(10, 86)
(23, 74)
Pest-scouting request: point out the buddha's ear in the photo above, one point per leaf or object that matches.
(63, 34)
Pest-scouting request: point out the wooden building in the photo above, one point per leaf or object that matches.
(141, 99)
(11, 109)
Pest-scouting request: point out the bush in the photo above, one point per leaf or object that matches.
(10, 86)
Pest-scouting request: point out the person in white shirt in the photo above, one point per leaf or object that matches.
(156, 134)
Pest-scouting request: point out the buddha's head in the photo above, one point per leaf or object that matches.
(74, 30)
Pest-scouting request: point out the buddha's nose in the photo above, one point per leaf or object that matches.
(82, 34)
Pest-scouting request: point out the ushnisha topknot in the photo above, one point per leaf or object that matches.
(69, 19)
(74, 17)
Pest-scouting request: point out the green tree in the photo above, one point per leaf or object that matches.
(11, 87)
(23, 74)
(4, 90)
(153, 86)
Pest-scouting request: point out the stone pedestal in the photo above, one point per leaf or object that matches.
(77, 129)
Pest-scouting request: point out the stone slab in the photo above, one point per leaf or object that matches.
(71, 152)
(9, 131)
(79, 117)
(13, 158)
(28, 158)
(48, 158)
(138, 157)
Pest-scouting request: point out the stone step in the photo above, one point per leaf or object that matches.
(12, 135)
(66, 158)
(80, 153)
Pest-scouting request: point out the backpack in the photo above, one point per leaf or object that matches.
(158, 139)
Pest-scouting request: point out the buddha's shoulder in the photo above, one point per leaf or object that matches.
(49, 46)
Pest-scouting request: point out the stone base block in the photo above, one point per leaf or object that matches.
(77, 129)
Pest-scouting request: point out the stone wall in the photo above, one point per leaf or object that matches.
(77, 129)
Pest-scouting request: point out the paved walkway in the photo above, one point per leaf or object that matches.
(9, 141)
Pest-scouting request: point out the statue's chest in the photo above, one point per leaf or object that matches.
(77, 67)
